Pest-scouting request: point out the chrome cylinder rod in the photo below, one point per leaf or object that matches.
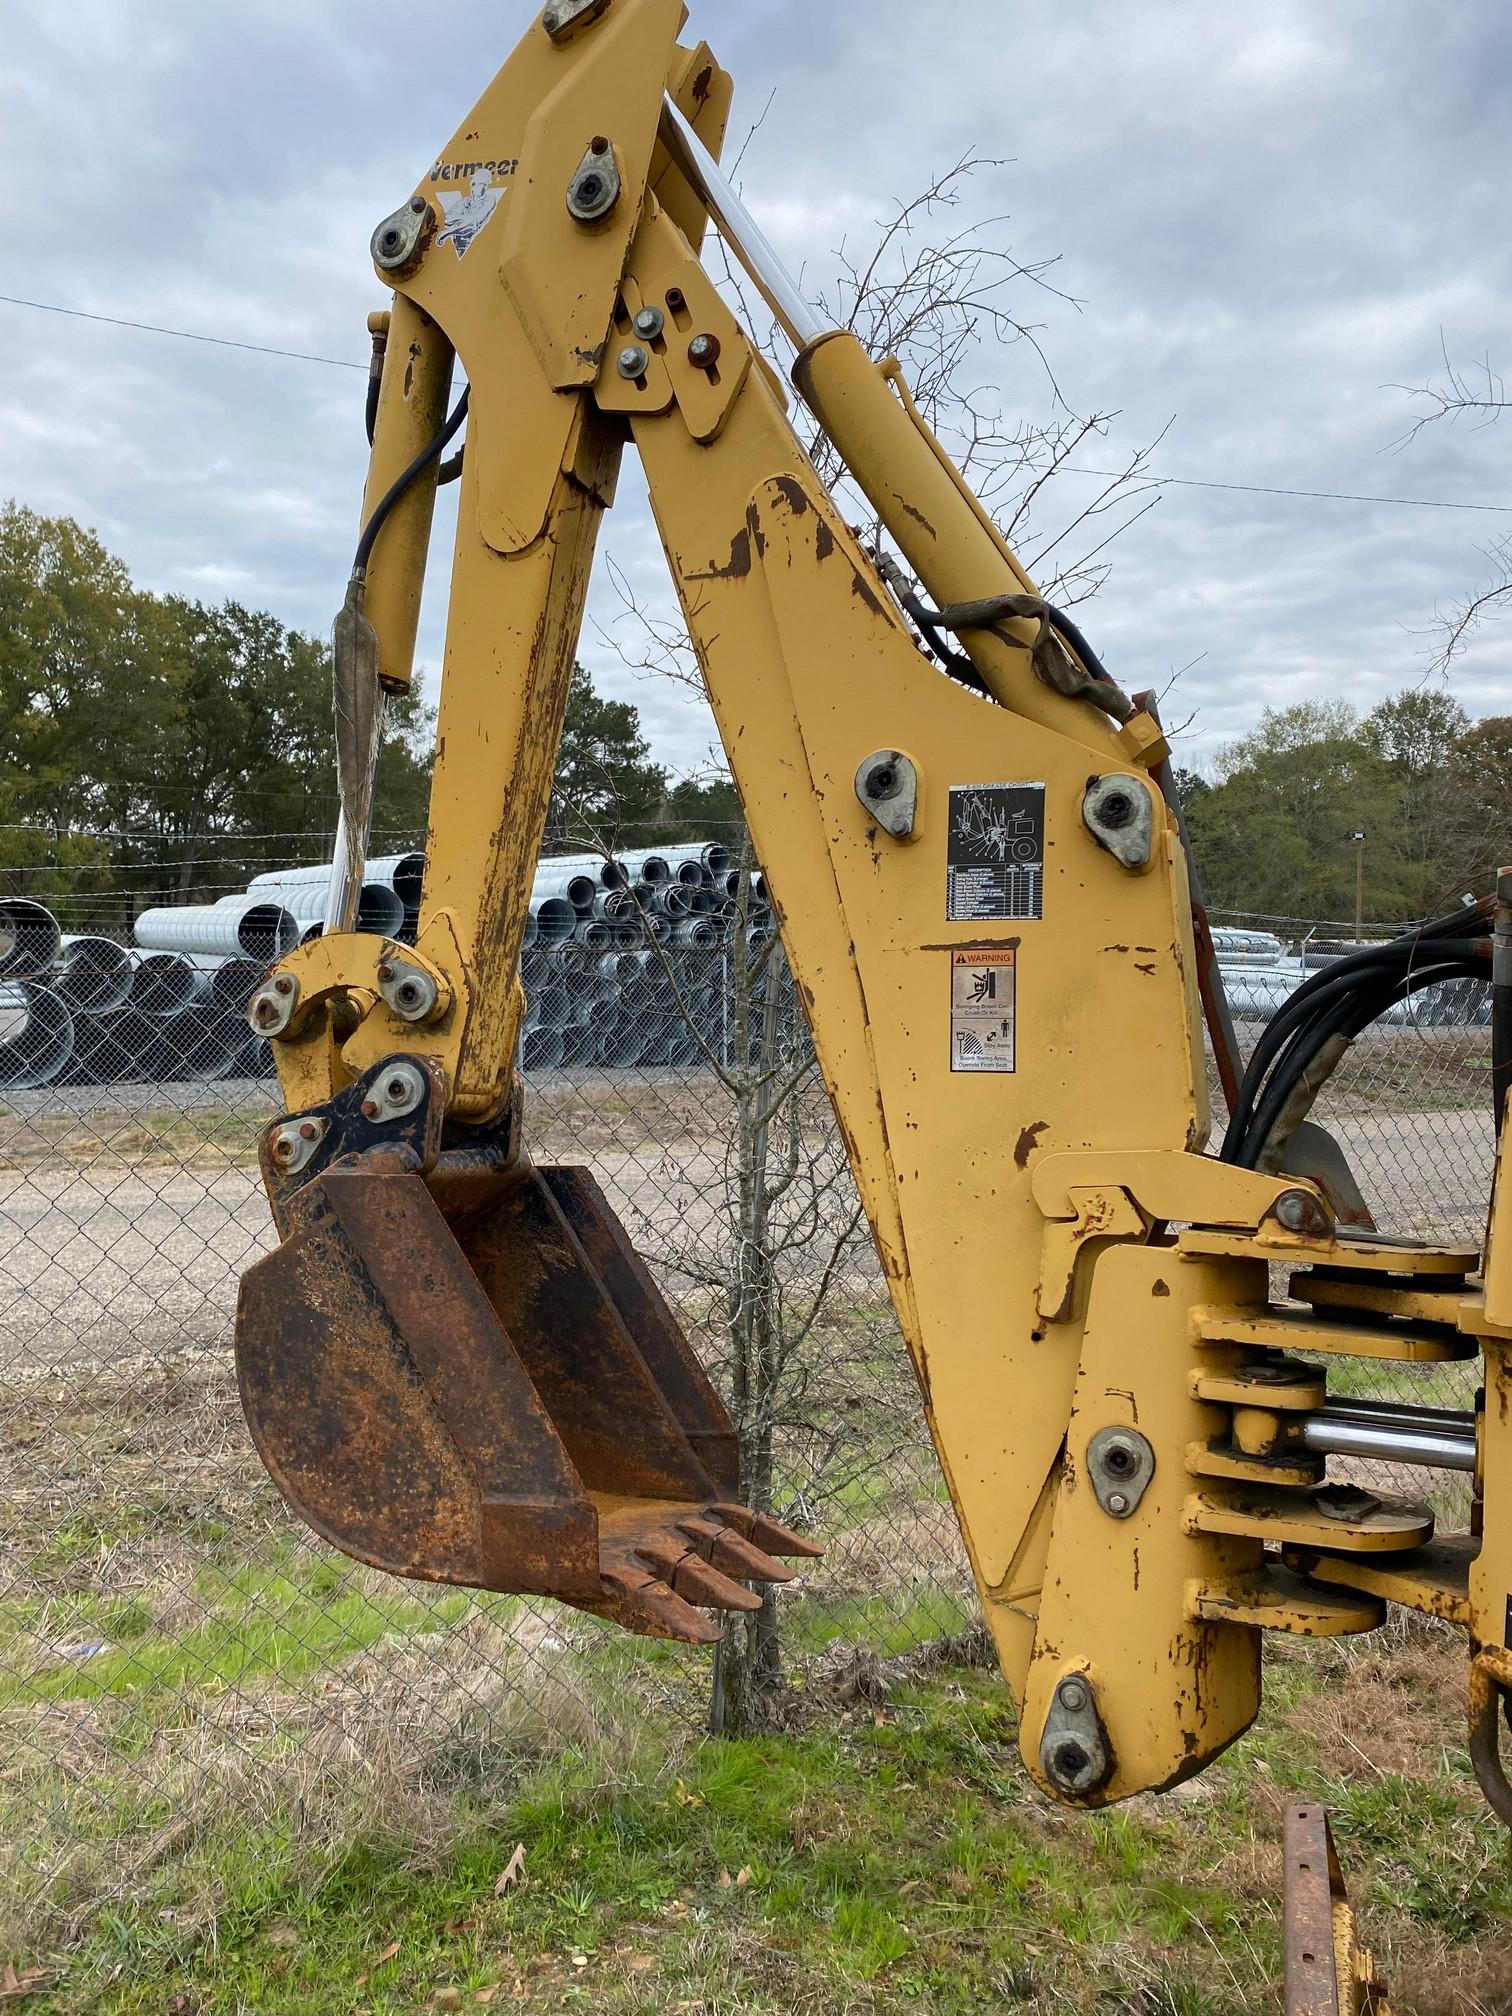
(739, 229)
(1448, 1444)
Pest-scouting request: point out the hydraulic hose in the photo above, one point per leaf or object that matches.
(429, 453)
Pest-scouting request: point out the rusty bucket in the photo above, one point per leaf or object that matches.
(455, 1367)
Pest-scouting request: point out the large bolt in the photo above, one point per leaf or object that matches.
(703, 352)
(634, 361)
(649, 323)
(1073, 1695)
(267, 1015)
(1116, 810)
(1117, 1503)
(308, 1131)
(283, 984)
(882, 780)
(1119, 1460)
(1299, 1211)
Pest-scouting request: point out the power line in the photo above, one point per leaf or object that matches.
(1275, 490)
(187, 335)
(1181, 482)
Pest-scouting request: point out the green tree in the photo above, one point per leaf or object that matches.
(1482, 798)
(1275, 833)
(1418, 733)
(154, 744)
(607, 791)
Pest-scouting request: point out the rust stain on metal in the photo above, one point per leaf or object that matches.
(917, 515)
(1144, 966)
(1028, 1140)
(862, 588)
(738, 565)
(1160, 1288)
(974, 945)
(793, 492)
(702, 84)
(824, 540)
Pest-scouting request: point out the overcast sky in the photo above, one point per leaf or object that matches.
(1268, 215)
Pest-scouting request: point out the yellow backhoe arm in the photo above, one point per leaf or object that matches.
(454, 1364)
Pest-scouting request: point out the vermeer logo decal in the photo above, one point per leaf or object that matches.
(466, 214)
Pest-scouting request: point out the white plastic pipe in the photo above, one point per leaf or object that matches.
(29, 939)
(94, 975)
(248, 929)
(36, 1036)
(166, 983)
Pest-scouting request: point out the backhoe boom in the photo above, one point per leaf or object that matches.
(454, 1364)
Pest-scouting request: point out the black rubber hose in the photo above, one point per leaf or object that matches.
(1375, 963)
(1071, 632)
(428, 454)
(1294, 1013)
(1335, 1019)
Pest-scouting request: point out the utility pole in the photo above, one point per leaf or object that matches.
(1359, 847)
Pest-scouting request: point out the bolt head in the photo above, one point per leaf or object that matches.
(1073, 1695)
(599, 144)
(283, 984)
(283, 1147)
(385, 971)
(1117, 1502)
(266, 1015)
(648, 322)
(308, 1131)
(418, 205)
(633, 361)
(397, 1088)
(370, 1109)
(703, 350)
(1300, 1211)
(1116, 810)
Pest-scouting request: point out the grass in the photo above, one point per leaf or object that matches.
(887, 1859)
(200, 1137)
(235, 1771)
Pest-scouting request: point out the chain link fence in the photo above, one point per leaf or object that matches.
(179, 1657)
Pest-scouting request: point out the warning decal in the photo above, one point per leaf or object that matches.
(983, 1009)
(995, 855)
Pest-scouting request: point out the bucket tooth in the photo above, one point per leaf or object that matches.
(723, 1548)
(694, 1580)
(643, 1602)
(769, 1534)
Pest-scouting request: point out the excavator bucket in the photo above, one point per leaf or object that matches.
(455, 1367)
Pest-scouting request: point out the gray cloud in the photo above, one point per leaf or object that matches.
(1265, 217)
